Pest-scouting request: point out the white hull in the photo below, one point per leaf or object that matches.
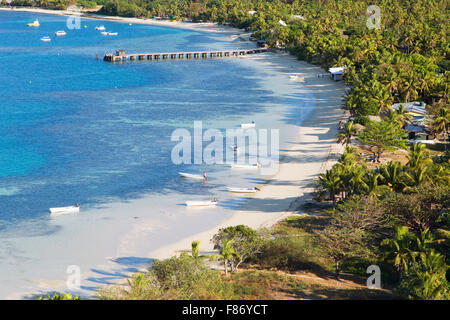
(247, 125)
(242, 190)
(34, 24)
(64, 210)
(101, 28)
(46, 39)
(60, 33)
(109, 33)
(191, 176)
(206, 203)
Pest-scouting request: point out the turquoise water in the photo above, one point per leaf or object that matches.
(74, 129)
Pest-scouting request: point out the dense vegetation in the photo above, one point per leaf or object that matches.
(395, 215)
(406, 59)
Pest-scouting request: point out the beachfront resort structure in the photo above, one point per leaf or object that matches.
(337, 73)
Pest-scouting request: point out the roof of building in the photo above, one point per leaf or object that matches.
(337, 70)
(412, 107)
(414, 128)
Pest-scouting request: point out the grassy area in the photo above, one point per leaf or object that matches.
(289, 266)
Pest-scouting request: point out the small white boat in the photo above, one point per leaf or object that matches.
(60, 33)
(46, 39)
(192, 176)
(243, 190)
(108, 33)
(248, 125)
(35, 23)
(202, 203)
(64, 210)
(100, 28)
(245, 166)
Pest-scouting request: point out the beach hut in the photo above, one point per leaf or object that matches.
(337, 73)
(417, 132)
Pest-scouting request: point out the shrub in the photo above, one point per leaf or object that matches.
(285, 253)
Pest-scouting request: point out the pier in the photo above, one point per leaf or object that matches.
(121, 55)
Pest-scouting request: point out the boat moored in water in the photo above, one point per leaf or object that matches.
(46, 39)
(248, 125)
(108, 33)
(243, 190)
(192, 176)
(64, 210)
(202, 203)
(35, 23)
(60, 33)
(100, 28)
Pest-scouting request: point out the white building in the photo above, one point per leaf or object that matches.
(337, 72)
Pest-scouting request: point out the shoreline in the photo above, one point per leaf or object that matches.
(197, 26)
(313, 150)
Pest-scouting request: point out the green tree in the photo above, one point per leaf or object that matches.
(347, 133)
(330, 182)
(341, 244)
(382, 136)
(426, 280)
(227, 254)
(400, 248)
(246, 242)
(195, 251)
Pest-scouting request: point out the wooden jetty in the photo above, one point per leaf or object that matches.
(121, 55)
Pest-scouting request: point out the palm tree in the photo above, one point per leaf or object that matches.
(346, 134)
(410, 88)
(227, 253)
(391, 81)
(331, 182)
(415, 176)
(392, 174)
(440, 123)
(400, 248)
(195, 248)
(418, 156)
(371, 186)
(402, 115)
(355, 183)
(433, 284)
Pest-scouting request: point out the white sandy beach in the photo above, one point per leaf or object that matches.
(311, 152)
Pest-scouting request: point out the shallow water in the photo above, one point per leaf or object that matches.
(74, 129)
